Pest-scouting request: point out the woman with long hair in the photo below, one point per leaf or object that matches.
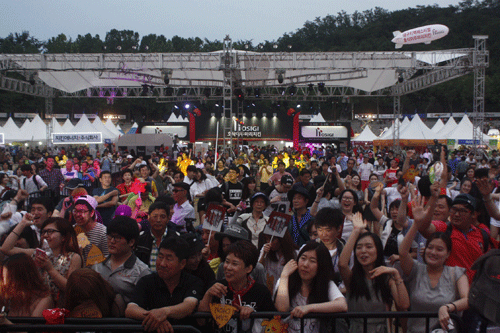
(125, 187)
(63, 258)
(89, 295)
(371, 286)
(274, 255)
(433, 285)
(22, 290)
(306, 286)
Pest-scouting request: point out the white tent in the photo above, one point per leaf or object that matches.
(464, 131)
(84, 126)
(437, 126)
(26, 131)
(365, 136)
(450, 125)
(417, 130)
(110, 126)
(318, 118)
(68, 126)
(119, 129)
(10, 131)
(39, 129)
(56, 127)
(106, 133)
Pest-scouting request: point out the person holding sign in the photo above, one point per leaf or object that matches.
(238, 289)
(255, 221)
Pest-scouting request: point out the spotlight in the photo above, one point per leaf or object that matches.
(187, 106)
(400, 78)
(292, 90)
(280, 78)
(282, 90)
(145, 90)
(321, 87)
(166, 79)
(239, 94)
(275, 46)
(119, 48)
(256, 92)
(310, 88)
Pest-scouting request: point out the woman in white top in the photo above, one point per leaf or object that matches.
(306, 286)
(200, 186)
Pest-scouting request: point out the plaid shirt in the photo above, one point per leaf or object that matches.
(53, 178)
(154, 251)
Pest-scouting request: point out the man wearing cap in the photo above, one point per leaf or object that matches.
(128, 162)
(301, 217)
(91, 235)
(468, 241)
(121, 268)
(161, 228)
(255, 221)
(182, 207)
(195, 264)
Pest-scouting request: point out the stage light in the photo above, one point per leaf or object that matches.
(280, 78)
(292, 90)
(166, 79)
(176, 106)
(401, 78)
(256, 92)
(187, 106)
(145, 90)
(239, 94)
(298, 106)
(321, 87)
(310, 88)
(119, 48)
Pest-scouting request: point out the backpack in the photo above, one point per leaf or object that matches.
(483, 293)
(34, 181)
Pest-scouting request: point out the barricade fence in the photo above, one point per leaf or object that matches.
(28, 324)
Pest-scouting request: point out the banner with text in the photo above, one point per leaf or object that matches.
(77, 138)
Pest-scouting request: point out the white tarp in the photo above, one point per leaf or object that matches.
(417, 130)
(110, 126)
(56, 127)
(99, 127)
(365, 136)
(11, 131)
(84, 125)
(450, 125)
(437, 126)
(317, 118)
(67, 126)
(39, 129)
(464, 131)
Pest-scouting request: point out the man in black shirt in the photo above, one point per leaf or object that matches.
(168, 295)
(232, 190)
(351, 163)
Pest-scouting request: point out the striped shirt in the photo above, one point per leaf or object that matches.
(154, 251)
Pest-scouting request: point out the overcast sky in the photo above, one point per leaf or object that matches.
(256, 20)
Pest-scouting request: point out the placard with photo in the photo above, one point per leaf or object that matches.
(277, 224)
(214, 217)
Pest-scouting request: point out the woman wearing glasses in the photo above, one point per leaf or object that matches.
(61, 258)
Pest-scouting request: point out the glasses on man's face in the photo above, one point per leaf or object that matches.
(48, 232)
(115, 237)
(348, 198)
(80, 211)
(454, 210)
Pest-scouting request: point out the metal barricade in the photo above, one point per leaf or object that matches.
(28, 324)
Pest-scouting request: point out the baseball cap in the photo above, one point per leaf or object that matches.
(465, 199)
(87, 200)
(233, 230)
(195, 243)
(130, 156)
(286, 180)
(74, 183)
(259, 195)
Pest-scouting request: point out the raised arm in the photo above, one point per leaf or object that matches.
(345, 256)
(375, 200)
(423, 217)
(405, 258)
(282, 302)
(486, 187)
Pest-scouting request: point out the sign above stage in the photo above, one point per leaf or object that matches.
(77, 138)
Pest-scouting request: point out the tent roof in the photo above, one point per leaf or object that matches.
(133, 129)
(417, 130)
(317, 118)
(99, 127)
(110, 126)
(365, 136)
(84, 125)
(56, 127)
(68, 126)
(10, 130)
(464, 131)
(437, 126)
(39, 129)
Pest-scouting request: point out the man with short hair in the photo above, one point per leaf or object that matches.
(279, 197)
(292, 168)
(122, 269)
(29, 182)
(306, 183)
(275, 178)
(87, 175)
(145, 172)
(161, 228)
(182, 207)
(52, 176)
(106, 197)
(91, 235)
(68, 172)
(349, 171)
(167, 296)
(232, 190)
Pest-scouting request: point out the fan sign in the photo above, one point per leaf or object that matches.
(277, 224)
(214, 218)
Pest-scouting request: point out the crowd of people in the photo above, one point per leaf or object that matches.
(123, 235)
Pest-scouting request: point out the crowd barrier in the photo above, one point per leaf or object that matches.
(24, 324)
